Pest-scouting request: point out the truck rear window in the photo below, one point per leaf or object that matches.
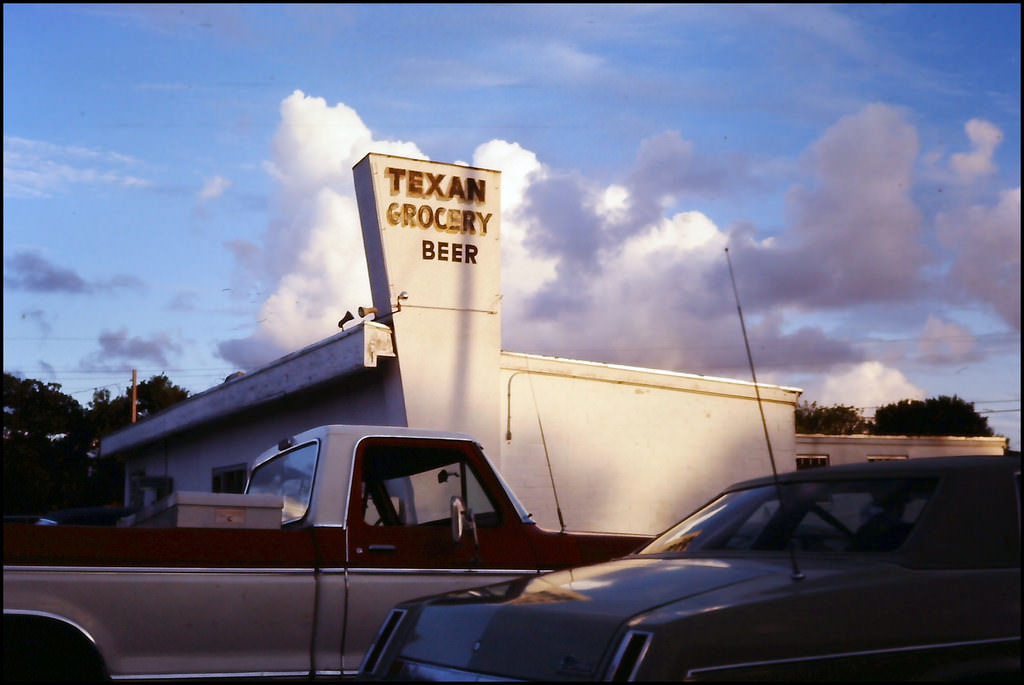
(289, 474)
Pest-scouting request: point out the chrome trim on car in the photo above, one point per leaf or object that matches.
(629, 655)
(382, 640)
(843, 655)
(279, 571)
(445, 571)
(260, 461)
(211, 676)
(160, 569)
(55, 617)
(415, 670)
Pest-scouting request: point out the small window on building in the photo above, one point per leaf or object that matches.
(229, 478)
(886, 457)
(810, 461)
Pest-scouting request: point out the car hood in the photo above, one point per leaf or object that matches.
(559, 625)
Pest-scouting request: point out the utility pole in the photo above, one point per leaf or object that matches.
(135, 395)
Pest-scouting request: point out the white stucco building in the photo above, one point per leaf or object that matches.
(594, 446)
(824, 450)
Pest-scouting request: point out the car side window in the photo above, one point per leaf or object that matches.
(413, 486)
(859, 516)
(874, 515)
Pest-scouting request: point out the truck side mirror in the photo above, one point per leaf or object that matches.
(443, 475)
(463, 518)
(458, 512)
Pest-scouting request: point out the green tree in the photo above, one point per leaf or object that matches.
(835, 420)
(934, 416)
(157, 394)
(108, 414)
(47, 438)
(50, 442)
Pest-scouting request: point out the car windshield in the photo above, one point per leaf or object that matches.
(871, 515)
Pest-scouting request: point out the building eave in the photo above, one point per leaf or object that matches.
(618, 373)
(327, 361)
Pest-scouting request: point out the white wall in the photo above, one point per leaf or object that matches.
(632, 450)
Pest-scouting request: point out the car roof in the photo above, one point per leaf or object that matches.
(919, 466)
(954, 531)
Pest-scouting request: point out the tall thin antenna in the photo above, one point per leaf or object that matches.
(551, 475)
(797, 575)
(543, 440)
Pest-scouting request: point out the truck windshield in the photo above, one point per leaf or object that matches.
(290, 475)
(871, 515)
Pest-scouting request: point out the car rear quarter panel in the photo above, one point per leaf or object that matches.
(828, 614)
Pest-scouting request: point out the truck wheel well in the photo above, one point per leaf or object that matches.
(45, 648)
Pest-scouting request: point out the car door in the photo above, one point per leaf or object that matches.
(399, 527)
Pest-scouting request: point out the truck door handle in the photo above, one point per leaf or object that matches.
(382, 548)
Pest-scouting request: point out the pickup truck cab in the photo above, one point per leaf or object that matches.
(370, 516)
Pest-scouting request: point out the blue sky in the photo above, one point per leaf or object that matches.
(178, 193)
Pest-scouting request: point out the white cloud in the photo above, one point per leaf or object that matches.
(986, 242)
(607, 273)
(627, 282)
(672, 238)
(34, 168)
(984, 137)
(315, 146)
(570, 60)
(327, 277)
(945, 341)
(869, 384)
(312, 259)
(858, 229)
(214, 188)
(551, 61)
(640, 299)
(519, 168)
(522, 272)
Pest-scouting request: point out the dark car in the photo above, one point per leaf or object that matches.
(877, 571)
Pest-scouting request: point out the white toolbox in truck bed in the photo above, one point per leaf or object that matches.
(209, 510)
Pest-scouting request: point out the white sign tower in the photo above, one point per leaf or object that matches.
(432, 235)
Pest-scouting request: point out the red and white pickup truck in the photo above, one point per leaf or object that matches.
(370, 516)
